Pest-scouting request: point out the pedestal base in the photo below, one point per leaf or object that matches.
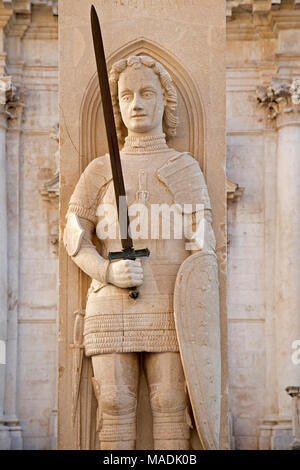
(16, 438)
(275, 433)
(295, 445)
(4, 438)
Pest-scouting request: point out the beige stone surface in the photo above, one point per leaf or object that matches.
(294, 393)
(139, 28)
(262, 293)
(145, 97)
(29, 63)
(253, 41)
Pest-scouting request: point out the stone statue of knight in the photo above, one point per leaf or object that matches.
(173, 326)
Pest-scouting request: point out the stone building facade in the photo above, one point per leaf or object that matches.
(263, 169)
(29, 231)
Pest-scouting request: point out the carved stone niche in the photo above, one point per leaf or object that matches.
(190, 136)
(82, 138)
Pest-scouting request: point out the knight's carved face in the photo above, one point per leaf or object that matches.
(141, 101)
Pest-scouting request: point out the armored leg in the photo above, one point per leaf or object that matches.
(168, 398)
(115, 383)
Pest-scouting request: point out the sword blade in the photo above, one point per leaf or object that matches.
(111, 132)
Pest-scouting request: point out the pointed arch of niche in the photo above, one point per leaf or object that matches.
(191, 130)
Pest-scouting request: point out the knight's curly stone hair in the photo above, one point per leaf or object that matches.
(170, 119)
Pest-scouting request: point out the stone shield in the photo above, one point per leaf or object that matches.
(197, 318)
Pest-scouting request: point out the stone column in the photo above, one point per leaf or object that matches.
(4, 432)
(282, 101)
(294, 392)
(10, 430)
(7, 91)
(287, 300)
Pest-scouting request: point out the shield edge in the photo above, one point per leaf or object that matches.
(200, 411)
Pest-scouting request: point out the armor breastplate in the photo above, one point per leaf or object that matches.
(143, 187)
(114, 322)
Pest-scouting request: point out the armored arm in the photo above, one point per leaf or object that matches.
(79, 245)
(81, 220)
(199, 232)
(198, 214)
(183, 177)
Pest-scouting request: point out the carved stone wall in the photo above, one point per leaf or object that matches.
(154, 28)
(263, 58)
(29, 110)
(262, 51)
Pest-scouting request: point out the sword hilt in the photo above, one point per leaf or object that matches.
(129, 253)
(132, 254)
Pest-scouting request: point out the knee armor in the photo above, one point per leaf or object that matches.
(169, 408)
(116, 412)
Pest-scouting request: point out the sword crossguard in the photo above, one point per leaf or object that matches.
(132, 254)
(129, 253)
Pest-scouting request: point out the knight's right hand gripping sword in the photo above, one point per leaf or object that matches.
(128, 252)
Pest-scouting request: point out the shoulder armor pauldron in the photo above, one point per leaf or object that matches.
(184, 179)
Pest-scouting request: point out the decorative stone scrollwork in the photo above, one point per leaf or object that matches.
(23, 7)
(295, 91)
(8, 95)
(279, 97)
(260, 7)
(54, 5)
(234, 191)
(11, 103)
(50, 3)
(50, 189)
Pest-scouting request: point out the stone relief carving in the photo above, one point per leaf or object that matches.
(49, 192)
(11, 102)
(24, 6)
(178, 307)
(186, 88)
(295, 91)
(8, 96)
(50, 3)
(279, 97)
(260, 7)
(234, 191)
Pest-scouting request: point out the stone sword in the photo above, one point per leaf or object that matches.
(128, 251)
